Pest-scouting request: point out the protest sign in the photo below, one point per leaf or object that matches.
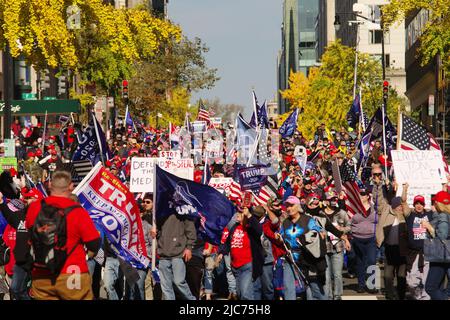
(214, 148)
(425, 190)
(7, 163)
(199, 126)
(10, 148)
(253, 178)
(301, 160)
(221, 184)
(142, 171)
(336, 176)
(112, 206)
(418, 167)
(217, 121)
(300, 151)
(172, 154)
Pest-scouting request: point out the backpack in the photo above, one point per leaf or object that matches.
(5, 253)
(49, 237)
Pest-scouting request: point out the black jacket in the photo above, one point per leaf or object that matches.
(254, 230)
(22, 248)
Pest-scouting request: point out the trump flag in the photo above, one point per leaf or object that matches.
(113, 207)
(208, 207)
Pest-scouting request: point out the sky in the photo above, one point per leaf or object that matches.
(244, 37)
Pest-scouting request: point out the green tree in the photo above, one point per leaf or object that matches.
(325, 96)
(167, 80)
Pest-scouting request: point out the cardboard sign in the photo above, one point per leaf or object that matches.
(418, 167)
(7, 163)
(336, 176)
(425, 190)
(142, 171)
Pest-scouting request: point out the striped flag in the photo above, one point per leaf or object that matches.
(203, 114)
(353, 201)
(262, 197)
(235, 192)
(413, 136)
(79, 169)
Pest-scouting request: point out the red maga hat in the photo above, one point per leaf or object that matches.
(442, 197)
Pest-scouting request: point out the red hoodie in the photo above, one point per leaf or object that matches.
(269, 230)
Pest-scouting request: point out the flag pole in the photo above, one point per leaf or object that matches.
(399, 122)
(98, 138)
(154, 244)
(45, 132)
(384, 142)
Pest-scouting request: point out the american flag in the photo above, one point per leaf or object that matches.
(262, 197)
(353, 201)
(415, 137)
(79, 170)
(235, 192)
(203, 114)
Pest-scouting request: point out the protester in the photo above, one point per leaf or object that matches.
(243, 242)
(176, 237)
(439, 229)
(48, 284)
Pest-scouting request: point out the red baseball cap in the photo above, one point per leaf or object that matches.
(33, 193)
(53, 152)
(30, 154)
(420, 199)
(442, 197)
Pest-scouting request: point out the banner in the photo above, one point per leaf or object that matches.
(253, 178)
(142, 171)
(113, 207)
(418, 167)
(7, 163)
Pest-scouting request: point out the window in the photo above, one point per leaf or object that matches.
(375, 36)
(375, 13)
(387, 59)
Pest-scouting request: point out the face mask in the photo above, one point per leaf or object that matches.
(17, 144)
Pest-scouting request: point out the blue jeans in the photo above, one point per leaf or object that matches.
(19, 283)
(289, 281)
(335, 262)
(434, 285)
(366, 255)
(230, 276)
(173, 274)
(137, 292)
(208, 277)
(244, 281)
(263, 286)
(316, 289)
(110, 277)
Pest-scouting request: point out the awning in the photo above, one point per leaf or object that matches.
(39, 107)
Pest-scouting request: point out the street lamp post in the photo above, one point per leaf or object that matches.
(8, 80)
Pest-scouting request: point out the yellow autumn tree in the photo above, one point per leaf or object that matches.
(435, 37)
(38, 30)
(325, 96)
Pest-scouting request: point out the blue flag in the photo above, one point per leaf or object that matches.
(92, 144)
(206, 174)
(263, 119)
(289, 126)
(353, 114)
(129, 121)
(208, 207)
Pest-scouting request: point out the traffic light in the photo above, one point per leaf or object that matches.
(125, 89)
(44, 80)
(385, 89)
(62, 86)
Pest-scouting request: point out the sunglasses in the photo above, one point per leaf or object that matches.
(377, 174)
(147, 202)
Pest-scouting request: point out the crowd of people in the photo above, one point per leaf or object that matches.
(299, 245)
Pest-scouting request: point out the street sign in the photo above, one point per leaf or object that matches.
(49, 98)
(10, 148)
(28, 96)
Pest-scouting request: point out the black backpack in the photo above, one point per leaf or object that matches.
(49, 237)
(5, 253)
